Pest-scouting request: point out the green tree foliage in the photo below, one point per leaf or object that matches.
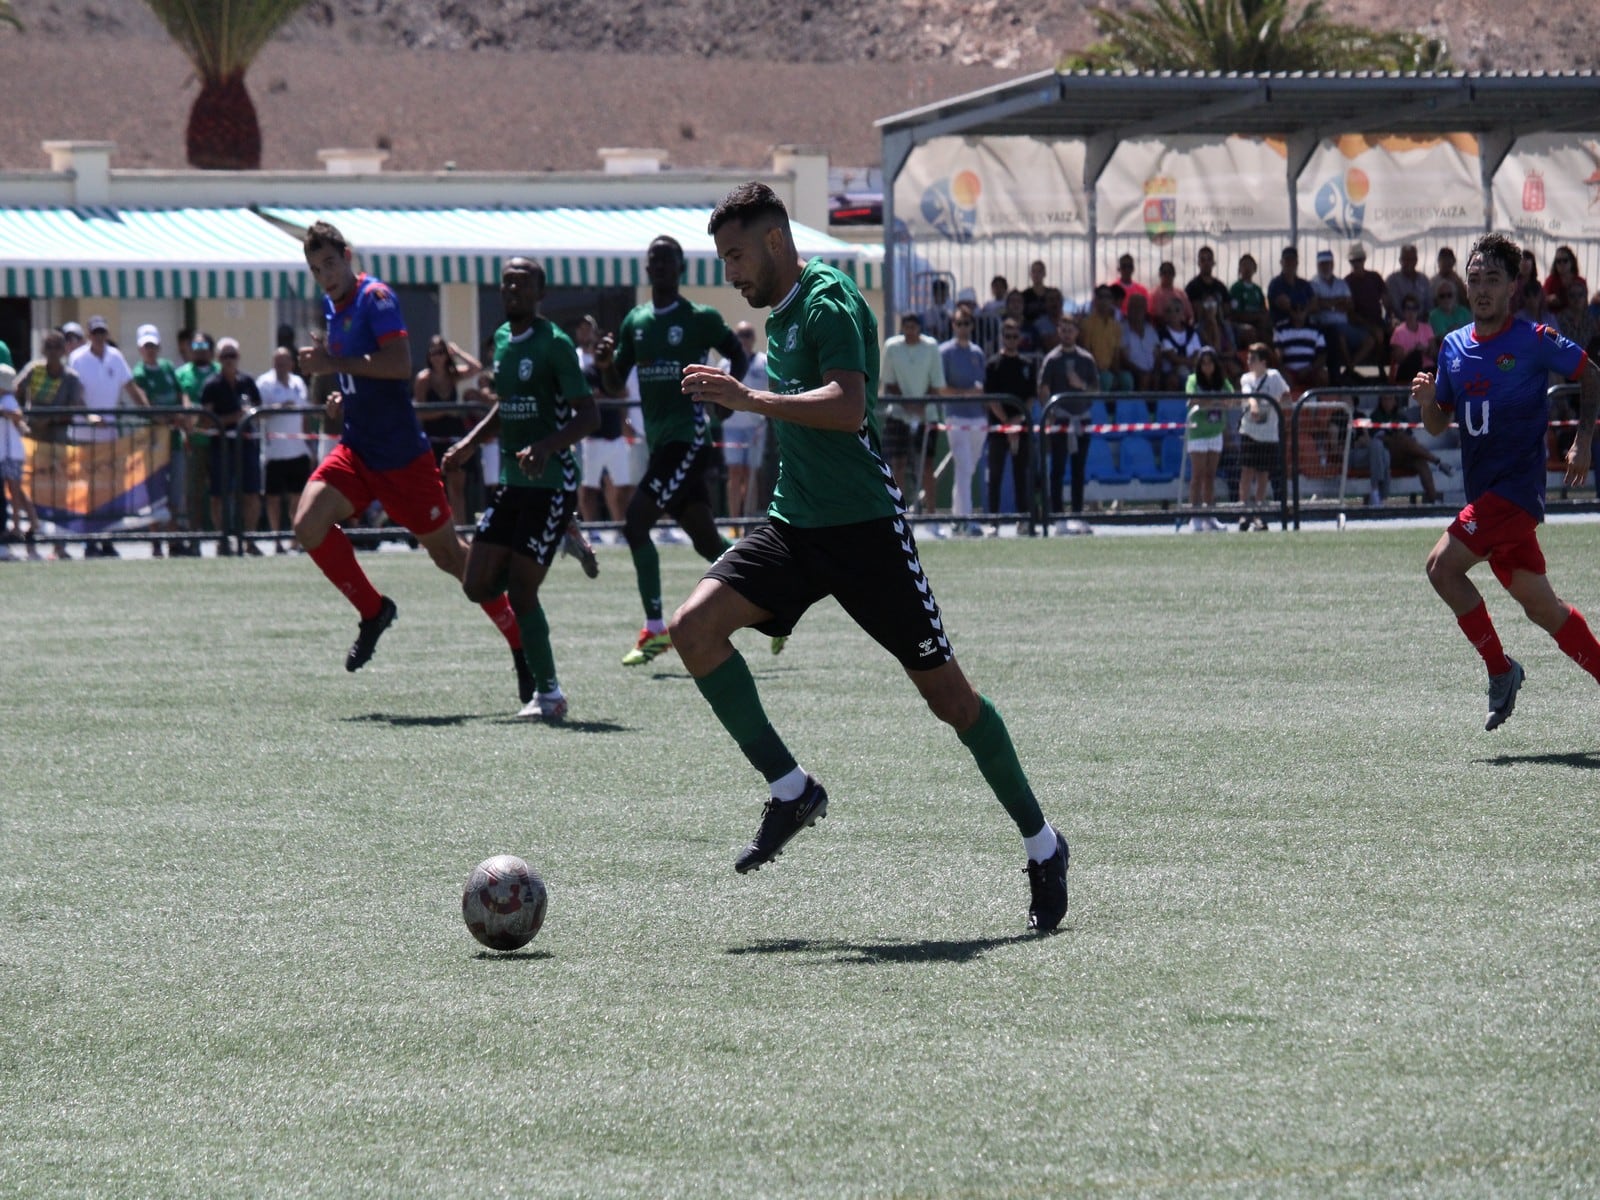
(222, 38)
(1248, 36)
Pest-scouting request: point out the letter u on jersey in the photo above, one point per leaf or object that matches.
(1466, 418)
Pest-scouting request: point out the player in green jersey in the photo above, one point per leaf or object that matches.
(541, 409)
(837, 528)
(658, 340)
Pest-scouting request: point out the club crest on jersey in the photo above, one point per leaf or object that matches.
(1506, 362)
(791, 341)
(525, 370)
(675, 335)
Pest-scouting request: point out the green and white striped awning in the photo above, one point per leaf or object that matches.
(579, 247)
(126, 253)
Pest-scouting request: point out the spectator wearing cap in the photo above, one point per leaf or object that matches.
(1408, 281)
(75, 337)
(912, 368)
(1100, 333)
(1302, 350)
(107, 383)
(193, 376)
(235, 459)
(1287, 288)
(1369, 300)
(1348, 346)
(158, 379)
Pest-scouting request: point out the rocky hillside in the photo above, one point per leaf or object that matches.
(1000, 34)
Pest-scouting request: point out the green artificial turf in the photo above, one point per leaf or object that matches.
(1327, 938)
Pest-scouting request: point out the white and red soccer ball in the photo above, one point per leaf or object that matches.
(503, 903)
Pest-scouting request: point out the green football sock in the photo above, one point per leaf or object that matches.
(536, 645)
(991, 747)
(731, 692)
(647, 569)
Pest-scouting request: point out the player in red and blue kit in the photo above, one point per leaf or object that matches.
(383, 454)
(1492, 380)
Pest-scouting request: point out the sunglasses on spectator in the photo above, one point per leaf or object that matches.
(1011, 333)
(227, 354)
(962, 324)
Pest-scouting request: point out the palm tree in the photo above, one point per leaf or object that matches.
(1251, 36)
(222, 38)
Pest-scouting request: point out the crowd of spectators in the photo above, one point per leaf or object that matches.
(1327, 330)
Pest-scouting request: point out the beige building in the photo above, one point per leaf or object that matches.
(219, 250)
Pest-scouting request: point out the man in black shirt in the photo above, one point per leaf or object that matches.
(235, 460)
(1008, 373)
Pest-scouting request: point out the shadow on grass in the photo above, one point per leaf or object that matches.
(928, 950)
(572, 726)
(512, 955)
(1580, 760)
(401, 721)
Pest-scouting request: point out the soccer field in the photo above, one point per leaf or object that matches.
(1327, 937)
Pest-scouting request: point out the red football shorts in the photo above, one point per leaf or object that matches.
(412, 495)
(1505, 533)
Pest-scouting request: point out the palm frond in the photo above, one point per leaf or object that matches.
(1249, 36)
(8, 15)
(222, 37)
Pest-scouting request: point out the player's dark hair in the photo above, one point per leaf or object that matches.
(1499, 249)
(323, 236)
(671, 243)
(748, 202)
(529, 265)
(1218, 381)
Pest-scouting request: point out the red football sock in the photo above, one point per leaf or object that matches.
(1578, 643)
(1480, 632)
(337, 559)
(499, 611)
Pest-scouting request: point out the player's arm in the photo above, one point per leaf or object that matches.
(733, 350)
(1424, 391)
(461, 452)
(840, 403)
(585, 420)
(391, 360)
(1580, 456)
(613, 363)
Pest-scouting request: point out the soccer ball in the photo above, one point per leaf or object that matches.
(503, 903)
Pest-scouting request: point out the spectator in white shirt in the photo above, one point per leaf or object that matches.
(288, 447)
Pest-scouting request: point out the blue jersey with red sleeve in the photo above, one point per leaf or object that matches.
(1498, 388)
(380, 422)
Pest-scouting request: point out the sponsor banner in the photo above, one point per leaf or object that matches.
(100, 486)
(970, 189)
(1549, 187)
(1391, 189)
(1178, 186)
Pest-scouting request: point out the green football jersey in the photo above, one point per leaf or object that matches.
(192, 378)
(660, 345)
(826, 476)
(537, 378)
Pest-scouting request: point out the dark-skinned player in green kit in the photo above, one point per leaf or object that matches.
(837, 528)
(658, 340)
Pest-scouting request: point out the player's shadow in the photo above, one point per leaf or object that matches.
(572, 726)
(408, 721)
(926, 950)
(512, 955)
(1578, 760)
